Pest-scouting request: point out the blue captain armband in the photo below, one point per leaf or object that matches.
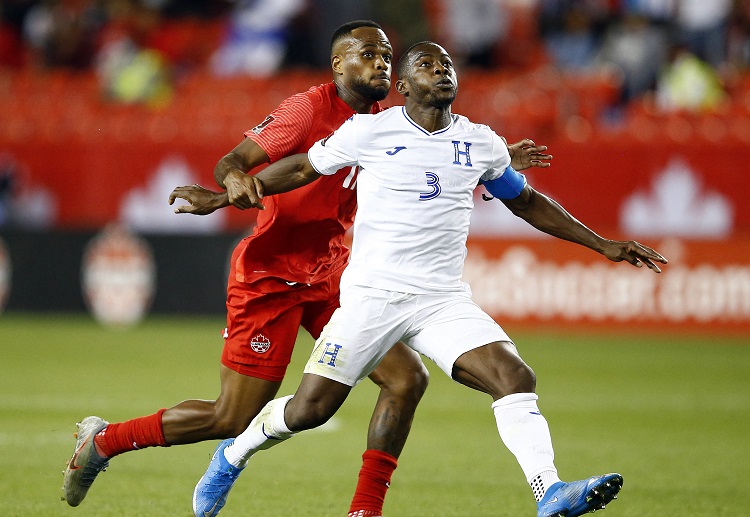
(507, 186)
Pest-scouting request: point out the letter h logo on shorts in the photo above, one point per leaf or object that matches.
(329, 354)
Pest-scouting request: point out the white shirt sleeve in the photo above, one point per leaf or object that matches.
(337, 150)
(500, 158)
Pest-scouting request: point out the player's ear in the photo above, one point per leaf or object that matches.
(402, 88)
(337, 64)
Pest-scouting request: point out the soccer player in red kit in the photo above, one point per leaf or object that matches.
(283, 276)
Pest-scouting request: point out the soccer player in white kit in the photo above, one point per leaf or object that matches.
(418, 166)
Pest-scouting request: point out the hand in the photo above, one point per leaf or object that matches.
(526, 154)
(633, 252)
(202, 201)
(244, 191)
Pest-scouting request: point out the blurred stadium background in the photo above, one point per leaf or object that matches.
(106, 106)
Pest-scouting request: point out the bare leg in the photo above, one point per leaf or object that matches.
(191, 421)
(402, 379)
(316, 400)
(495, 369)
(498, 370)
(241, 398)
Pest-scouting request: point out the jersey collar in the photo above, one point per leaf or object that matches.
(423, 130)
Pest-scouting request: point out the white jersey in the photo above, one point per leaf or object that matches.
(414, 195)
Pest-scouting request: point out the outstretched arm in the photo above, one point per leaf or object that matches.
(548, 216)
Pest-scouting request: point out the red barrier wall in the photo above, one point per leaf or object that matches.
(676, 182)
(706, 285)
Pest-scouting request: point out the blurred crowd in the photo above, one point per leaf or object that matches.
(683, 51)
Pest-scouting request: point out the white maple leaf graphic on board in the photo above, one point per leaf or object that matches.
(677, 205)
(147, 209)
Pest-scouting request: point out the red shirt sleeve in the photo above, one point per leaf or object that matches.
(286, 128)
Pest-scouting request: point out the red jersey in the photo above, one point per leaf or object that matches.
(299, 237)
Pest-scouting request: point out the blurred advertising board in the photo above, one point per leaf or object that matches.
(706, 285)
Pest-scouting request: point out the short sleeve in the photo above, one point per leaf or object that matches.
(500, 158)
(285, 129)
(337, 150)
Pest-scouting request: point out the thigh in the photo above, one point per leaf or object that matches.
(451, 325)
(359, 334)
(399, 368)
(496, 369)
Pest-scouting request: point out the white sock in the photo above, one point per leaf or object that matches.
(267, 429)
(525, 433)
(541, 483)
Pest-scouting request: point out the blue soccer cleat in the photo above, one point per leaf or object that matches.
(579, 497)
(211, 492)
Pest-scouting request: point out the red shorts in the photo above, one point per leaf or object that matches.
(263, 319)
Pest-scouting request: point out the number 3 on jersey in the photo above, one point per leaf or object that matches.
(433, 182)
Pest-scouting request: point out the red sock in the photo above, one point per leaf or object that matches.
(374, 480)
(138, 433)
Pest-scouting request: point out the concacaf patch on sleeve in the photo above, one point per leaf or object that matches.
(260, 127)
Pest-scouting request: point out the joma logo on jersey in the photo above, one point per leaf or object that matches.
(329, 355)
(458, 153)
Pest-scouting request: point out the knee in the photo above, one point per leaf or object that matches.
(408, 383)
(416, 381)
(231, 424)
(230, 418)
(233, 428)
(521, 379)
(301, 416)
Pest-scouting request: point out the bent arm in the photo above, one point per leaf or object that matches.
(243, 190)
(287, 174)
(231, 171)
(230, 174)
(244, 157)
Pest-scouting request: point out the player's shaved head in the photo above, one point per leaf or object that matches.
(411, 53)
(361, 62)
(426, 76)
(346, 29)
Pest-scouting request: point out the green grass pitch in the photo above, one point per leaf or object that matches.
(671, 413)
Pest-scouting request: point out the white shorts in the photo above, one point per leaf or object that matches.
(370, 321)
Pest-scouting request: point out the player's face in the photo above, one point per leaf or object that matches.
(366, 63)
(431, 79)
